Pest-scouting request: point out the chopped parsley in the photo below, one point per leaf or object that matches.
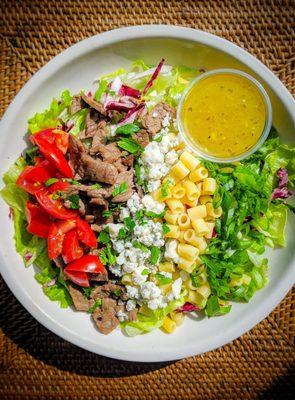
(145, 272)
(127, 129)
(155, 255)
(104, 236)
(122, 234)
(97, 304)
(120, 189)
(163, 280)
(165, 188)
(51, 181)
(152, 214)
(195, 279)
(95, 186)
(30, 155)
(139, 180)
(159, 139)
(129, 223)
(106, 256)
(140, 246)
(87, 291)
(107, 213)
(165, 228)
(117, 292)
(74, 200)
(130, 145)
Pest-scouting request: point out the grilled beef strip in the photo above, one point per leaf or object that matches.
(152, 120)
(87, 167)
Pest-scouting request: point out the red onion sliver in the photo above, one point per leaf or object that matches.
(154, 76)
(130, 116)
(129, 91)
(188, 307)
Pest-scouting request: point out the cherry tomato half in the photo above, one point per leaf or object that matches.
(38, 220)
(71, 250)
(80, 278)
(86, 234)
(88, 263)
(56, 236)
(55, 156)
(31, 178)
(55, 208)
(54, 136)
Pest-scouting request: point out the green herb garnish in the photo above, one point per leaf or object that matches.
(107, 213)
(155, 255)
(145, 272)
(140, 246)
(163, 280)
(74, 200)
(127, 129)
(119, 189)
(50, 181)
(130, 145)
(165, 228)
(104, 237)
(97, 304)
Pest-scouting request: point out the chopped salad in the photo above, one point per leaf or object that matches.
(125, 223)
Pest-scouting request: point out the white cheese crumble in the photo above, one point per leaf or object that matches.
(121, 316)
(152, 205)
(171, 251)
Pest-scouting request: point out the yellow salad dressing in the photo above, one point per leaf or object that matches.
(224, 115)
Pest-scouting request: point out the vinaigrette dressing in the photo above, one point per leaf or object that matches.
(224, 115)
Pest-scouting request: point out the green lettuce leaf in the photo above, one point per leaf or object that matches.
(150, 320)
(272, 224)
(78, 120)
(49, 117)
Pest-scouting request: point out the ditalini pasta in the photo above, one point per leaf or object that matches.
(190, 219)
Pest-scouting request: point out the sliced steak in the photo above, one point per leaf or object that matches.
(132, 315)
(76, 105)
(87, 167)
(153, 120)
(128, 161)
(91, 125)
(142, 137)
(93, 104)
(105, 320)
(125, 176)
(109, 153)
(107, 290)
(98, 277)
(81, 303)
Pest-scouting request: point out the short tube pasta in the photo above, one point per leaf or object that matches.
(173, 231)
(189, 160)
(199, 174)
(175, 206)
(213, 212)
(209, 186)
(183, 221)
(200, 227)
(187, 251)
(186, 265)
(170, 217)
(179, 171)
(197, 212)
(191, 190)
(205, 199)
(191, 237)
(211, 230)
(178, 191)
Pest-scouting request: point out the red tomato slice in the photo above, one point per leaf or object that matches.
(54, 136)
(88, 263)
(71, 250)
(55, 156)
(59, 186)
(85, 233)
(55, 208)
(56, 236)
(38, 220)
(80, 278)
(31, 178)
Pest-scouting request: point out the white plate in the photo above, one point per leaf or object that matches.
(76, 68)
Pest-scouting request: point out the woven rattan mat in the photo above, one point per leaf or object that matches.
(36, 364)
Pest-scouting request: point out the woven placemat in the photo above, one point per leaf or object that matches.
(36, 364)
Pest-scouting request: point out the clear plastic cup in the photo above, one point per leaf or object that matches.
(267, 126)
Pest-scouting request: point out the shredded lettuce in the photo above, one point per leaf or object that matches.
(78, 120)
(149, 319)
(49, 117)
